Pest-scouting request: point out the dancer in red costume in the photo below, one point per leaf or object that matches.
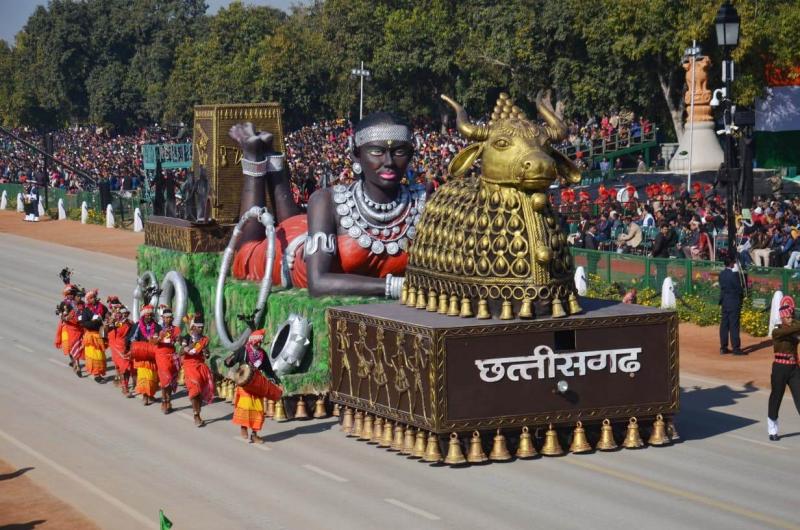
(197, 376)
(69, 334)
(143, 338)
(167, 361)
(94, 345)
(118, 332)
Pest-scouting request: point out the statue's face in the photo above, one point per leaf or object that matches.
(384, 163)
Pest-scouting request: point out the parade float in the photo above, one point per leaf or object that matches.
(489, 343)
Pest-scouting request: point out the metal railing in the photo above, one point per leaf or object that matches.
(172, 156)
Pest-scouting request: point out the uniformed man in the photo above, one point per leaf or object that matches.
(730, 300)
(785, 369)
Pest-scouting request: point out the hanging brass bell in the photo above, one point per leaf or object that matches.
(403, 293)
(659, 434)
(455, 456)
(181, 377)
(269, 410)
(606, 442)
(551, 445)
(475, 455)
(397, 441)
(499, 452)
(632, 438)
(433, 301)
(432, 452)
(408, 441)
(574, 306)
(377, 431)
(358, 424)
(466, 308)
(672, 430)
(280, 412)
(526, 310)
(558, 309)
(386, 439)
(422, 299)
(442, 310)
(229, 391)
(366, 430)
(452, 310)
(579, 442)
(483, 310)
(347, 421)
(506, 312)
(526, 448)
(300, 411)
(336, 410)
(411, 298)
(319, 408)
(419, 445)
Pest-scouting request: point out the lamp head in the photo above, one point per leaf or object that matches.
(727, 26)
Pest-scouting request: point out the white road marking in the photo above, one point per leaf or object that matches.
(58, 363)
(23, 347)
(412, 509)
(257, 446)
(324, 473)
(187, 416)
(771, 445)
(133, 513)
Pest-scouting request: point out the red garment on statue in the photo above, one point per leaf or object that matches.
(116, 343)
(350, 257)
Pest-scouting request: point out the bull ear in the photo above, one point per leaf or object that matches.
(464, 159)
(565, 168)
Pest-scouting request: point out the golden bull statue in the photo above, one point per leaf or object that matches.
(492, 244)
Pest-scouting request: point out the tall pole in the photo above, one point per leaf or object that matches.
(691, 118)
(727, 122)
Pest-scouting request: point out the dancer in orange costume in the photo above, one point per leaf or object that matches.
(118, 344)
(142, 339)
(92, 319)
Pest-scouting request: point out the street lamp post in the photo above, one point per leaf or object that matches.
(362, 73)
(727, 28)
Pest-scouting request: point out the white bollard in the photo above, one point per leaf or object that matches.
(41, 209)
(138, 225)
(4, 201)
(775, 311)
(580, 281)
(62, 212)
(20, 203)
(668, 294)
(84, 213)
(109, 216)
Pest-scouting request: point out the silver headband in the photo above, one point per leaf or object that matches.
(383, 132)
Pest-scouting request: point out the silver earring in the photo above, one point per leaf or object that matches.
(356, 168)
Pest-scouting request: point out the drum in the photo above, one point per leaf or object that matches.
(255, 383)
(143, 351)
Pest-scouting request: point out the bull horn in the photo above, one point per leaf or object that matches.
(556, 129)
(468, 129)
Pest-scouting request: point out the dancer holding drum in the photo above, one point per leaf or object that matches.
(142, 339)
(92, 318)
(167, 361)
(254, 379)
(69, 335)
(197, 376)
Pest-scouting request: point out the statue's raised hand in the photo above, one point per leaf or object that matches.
(254, 145)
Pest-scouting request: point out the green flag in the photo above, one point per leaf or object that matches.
(166, 524)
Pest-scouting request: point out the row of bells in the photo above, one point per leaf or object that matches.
(451, 306)
(276, 409)
(419, 445)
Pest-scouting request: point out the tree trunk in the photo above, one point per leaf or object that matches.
(675, 111)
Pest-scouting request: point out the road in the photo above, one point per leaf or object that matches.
(119, 462)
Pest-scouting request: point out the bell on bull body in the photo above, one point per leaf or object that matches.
(386, 439)
(558, 309)
(397, 441)
(672, 430)
(483, 310)
(366, 430)
(659, 434)
(432, 452)
(336, 410)
(270, 409)
(300, 411)
(319, 408)
(499, 451)
(526, 310)
(452, 310)
(347, 421)
(404, 293)
(466, 308)
(551, 445)
(419, 445)
(475, 455)
(358, 424)
(606, 442)
(377, 431)
(280, 413)
(506, 312)
(455, 456)
(579, 442)
(574, 306)
(422, 299)
(433, 301)
(408, 441)
(526, 448)
(411, 297)
(442, 304)
(632, 438)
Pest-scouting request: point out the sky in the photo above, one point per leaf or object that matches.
(14, 13)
